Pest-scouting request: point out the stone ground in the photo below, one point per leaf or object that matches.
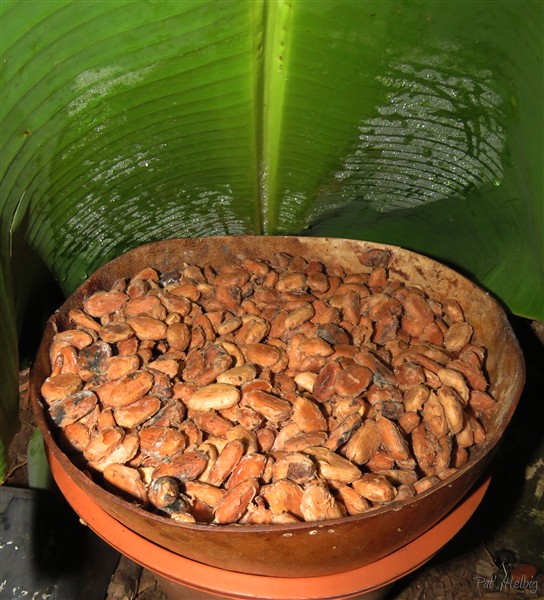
(506, 534)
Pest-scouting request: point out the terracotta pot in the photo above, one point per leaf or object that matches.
(183, 579)
(336, 545)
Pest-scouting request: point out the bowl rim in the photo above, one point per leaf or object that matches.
(481, 454)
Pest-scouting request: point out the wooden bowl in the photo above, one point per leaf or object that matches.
(325, 547)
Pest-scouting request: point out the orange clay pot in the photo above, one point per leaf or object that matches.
(184, 579)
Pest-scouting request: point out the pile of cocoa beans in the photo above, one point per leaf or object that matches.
(267, 391)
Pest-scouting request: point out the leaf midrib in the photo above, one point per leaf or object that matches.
(275, 18)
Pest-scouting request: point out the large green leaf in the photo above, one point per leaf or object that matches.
(140, 123)
(416, 123)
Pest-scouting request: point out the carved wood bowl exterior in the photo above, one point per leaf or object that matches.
(334, 545)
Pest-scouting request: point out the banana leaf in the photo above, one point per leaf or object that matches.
(122, 122)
